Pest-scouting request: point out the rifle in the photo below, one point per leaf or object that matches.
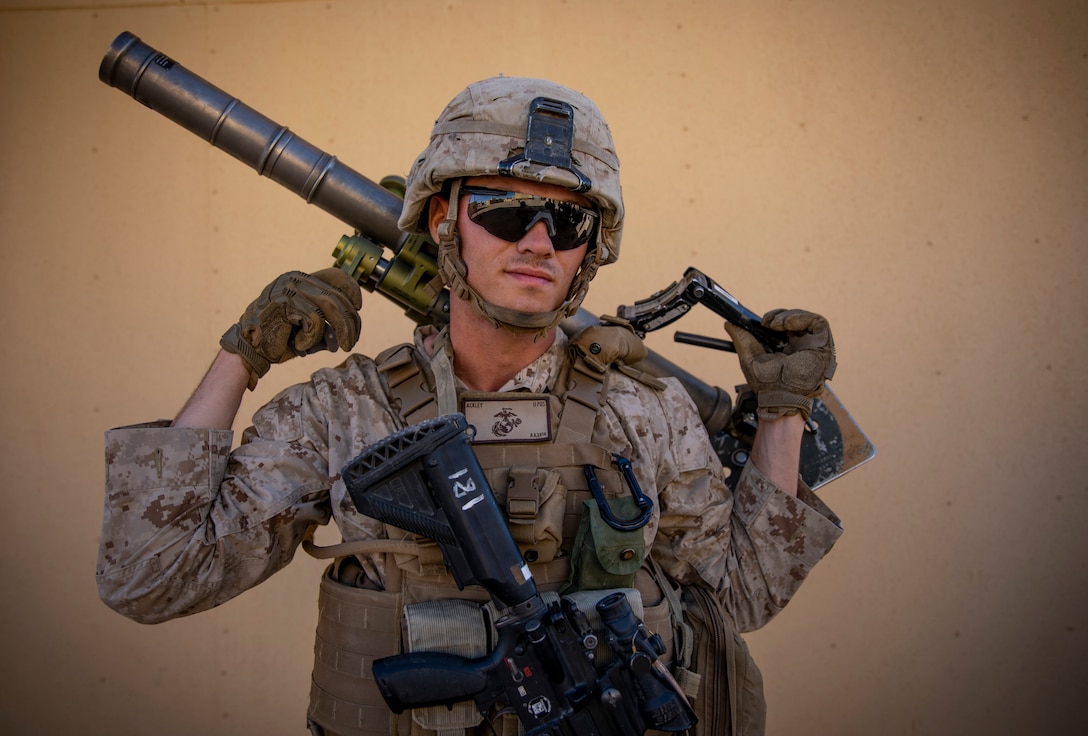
(403, 267)
(426, 479)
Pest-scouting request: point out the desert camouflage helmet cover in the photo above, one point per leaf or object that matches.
(486, 124)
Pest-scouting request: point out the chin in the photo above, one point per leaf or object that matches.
(530, 303)
(532, 306)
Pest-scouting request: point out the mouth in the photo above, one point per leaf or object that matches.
(531, 275)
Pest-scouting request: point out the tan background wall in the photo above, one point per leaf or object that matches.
(916, 171)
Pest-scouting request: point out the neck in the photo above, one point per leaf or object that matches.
(485, 356)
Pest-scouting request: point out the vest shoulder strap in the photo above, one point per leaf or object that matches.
(409, 389)
(412, 393)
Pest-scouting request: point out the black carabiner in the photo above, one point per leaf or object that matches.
(645, 503)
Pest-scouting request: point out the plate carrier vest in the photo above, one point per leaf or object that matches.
(543, 487)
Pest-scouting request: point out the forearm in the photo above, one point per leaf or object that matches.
(776, 450)
(214, 404)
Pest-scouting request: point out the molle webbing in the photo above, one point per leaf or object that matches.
(412, 393)
(520, 474)
(408, 388)
(583, 400)
(358, 626)
(545, 456)
(355, 627)
(515, 490)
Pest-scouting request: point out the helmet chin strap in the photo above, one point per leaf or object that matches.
(455, 273)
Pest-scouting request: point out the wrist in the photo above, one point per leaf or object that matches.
(776, 449)
(778, 403)
(216, 399)
(231, 366)
(255, 364)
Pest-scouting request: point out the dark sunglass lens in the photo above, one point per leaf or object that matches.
(506, 224)
(509, 216)
(497, 212)
(573, 226)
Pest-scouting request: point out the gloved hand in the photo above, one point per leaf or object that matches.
(289, 319)
(786, 382)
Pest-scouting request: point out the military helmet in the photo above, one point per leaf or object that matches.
(529, 129)
(486, 125)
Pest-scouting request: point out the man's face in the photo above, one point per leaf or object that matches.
(527, 275)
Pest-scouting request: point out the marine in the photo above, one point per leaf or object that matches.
(519, 187)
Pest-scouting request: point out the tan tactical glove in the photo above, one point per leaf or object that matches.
(297, 314)
(785, 383)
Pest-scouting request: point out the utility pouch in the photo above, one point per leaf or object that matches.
(457, 627)
(535, 501)
(605, 557)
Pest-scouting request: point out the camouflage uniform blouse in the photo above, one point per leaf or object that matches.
(188, 524)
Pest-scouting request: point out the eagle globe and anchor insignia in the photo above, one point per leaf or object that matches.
(508, 420)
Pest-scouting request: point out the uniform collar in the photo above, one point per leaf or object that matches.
(535, 378)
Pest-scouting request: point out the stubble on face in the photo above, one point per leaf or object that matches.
(528, 275)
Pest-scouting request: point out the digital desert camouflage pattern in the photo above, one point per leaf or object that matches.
(188, 524)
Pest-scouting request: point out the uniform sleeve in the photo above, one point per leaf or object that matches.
(188, 525)
(753, 547)
(783, 536)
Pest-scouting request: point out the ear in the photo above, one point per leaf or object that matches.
(438, 208)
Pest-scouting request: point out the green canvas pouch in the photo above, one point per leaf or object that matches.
(604, 557)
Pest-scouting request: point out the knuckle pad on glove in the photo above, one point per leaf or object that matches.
(342, 284)
(802, 367)
(803, 373)
(771, 318)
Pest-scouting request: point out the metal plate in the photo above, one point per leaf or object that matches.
(836, 447)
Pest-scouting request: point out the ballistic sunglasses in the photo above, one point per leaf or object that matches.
(510, 215)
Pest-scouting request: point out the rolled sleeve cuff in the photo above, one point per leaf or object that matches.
(802, 525)
(154, 455)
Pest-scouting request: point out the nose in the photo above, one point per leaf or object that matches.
(537, 239)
